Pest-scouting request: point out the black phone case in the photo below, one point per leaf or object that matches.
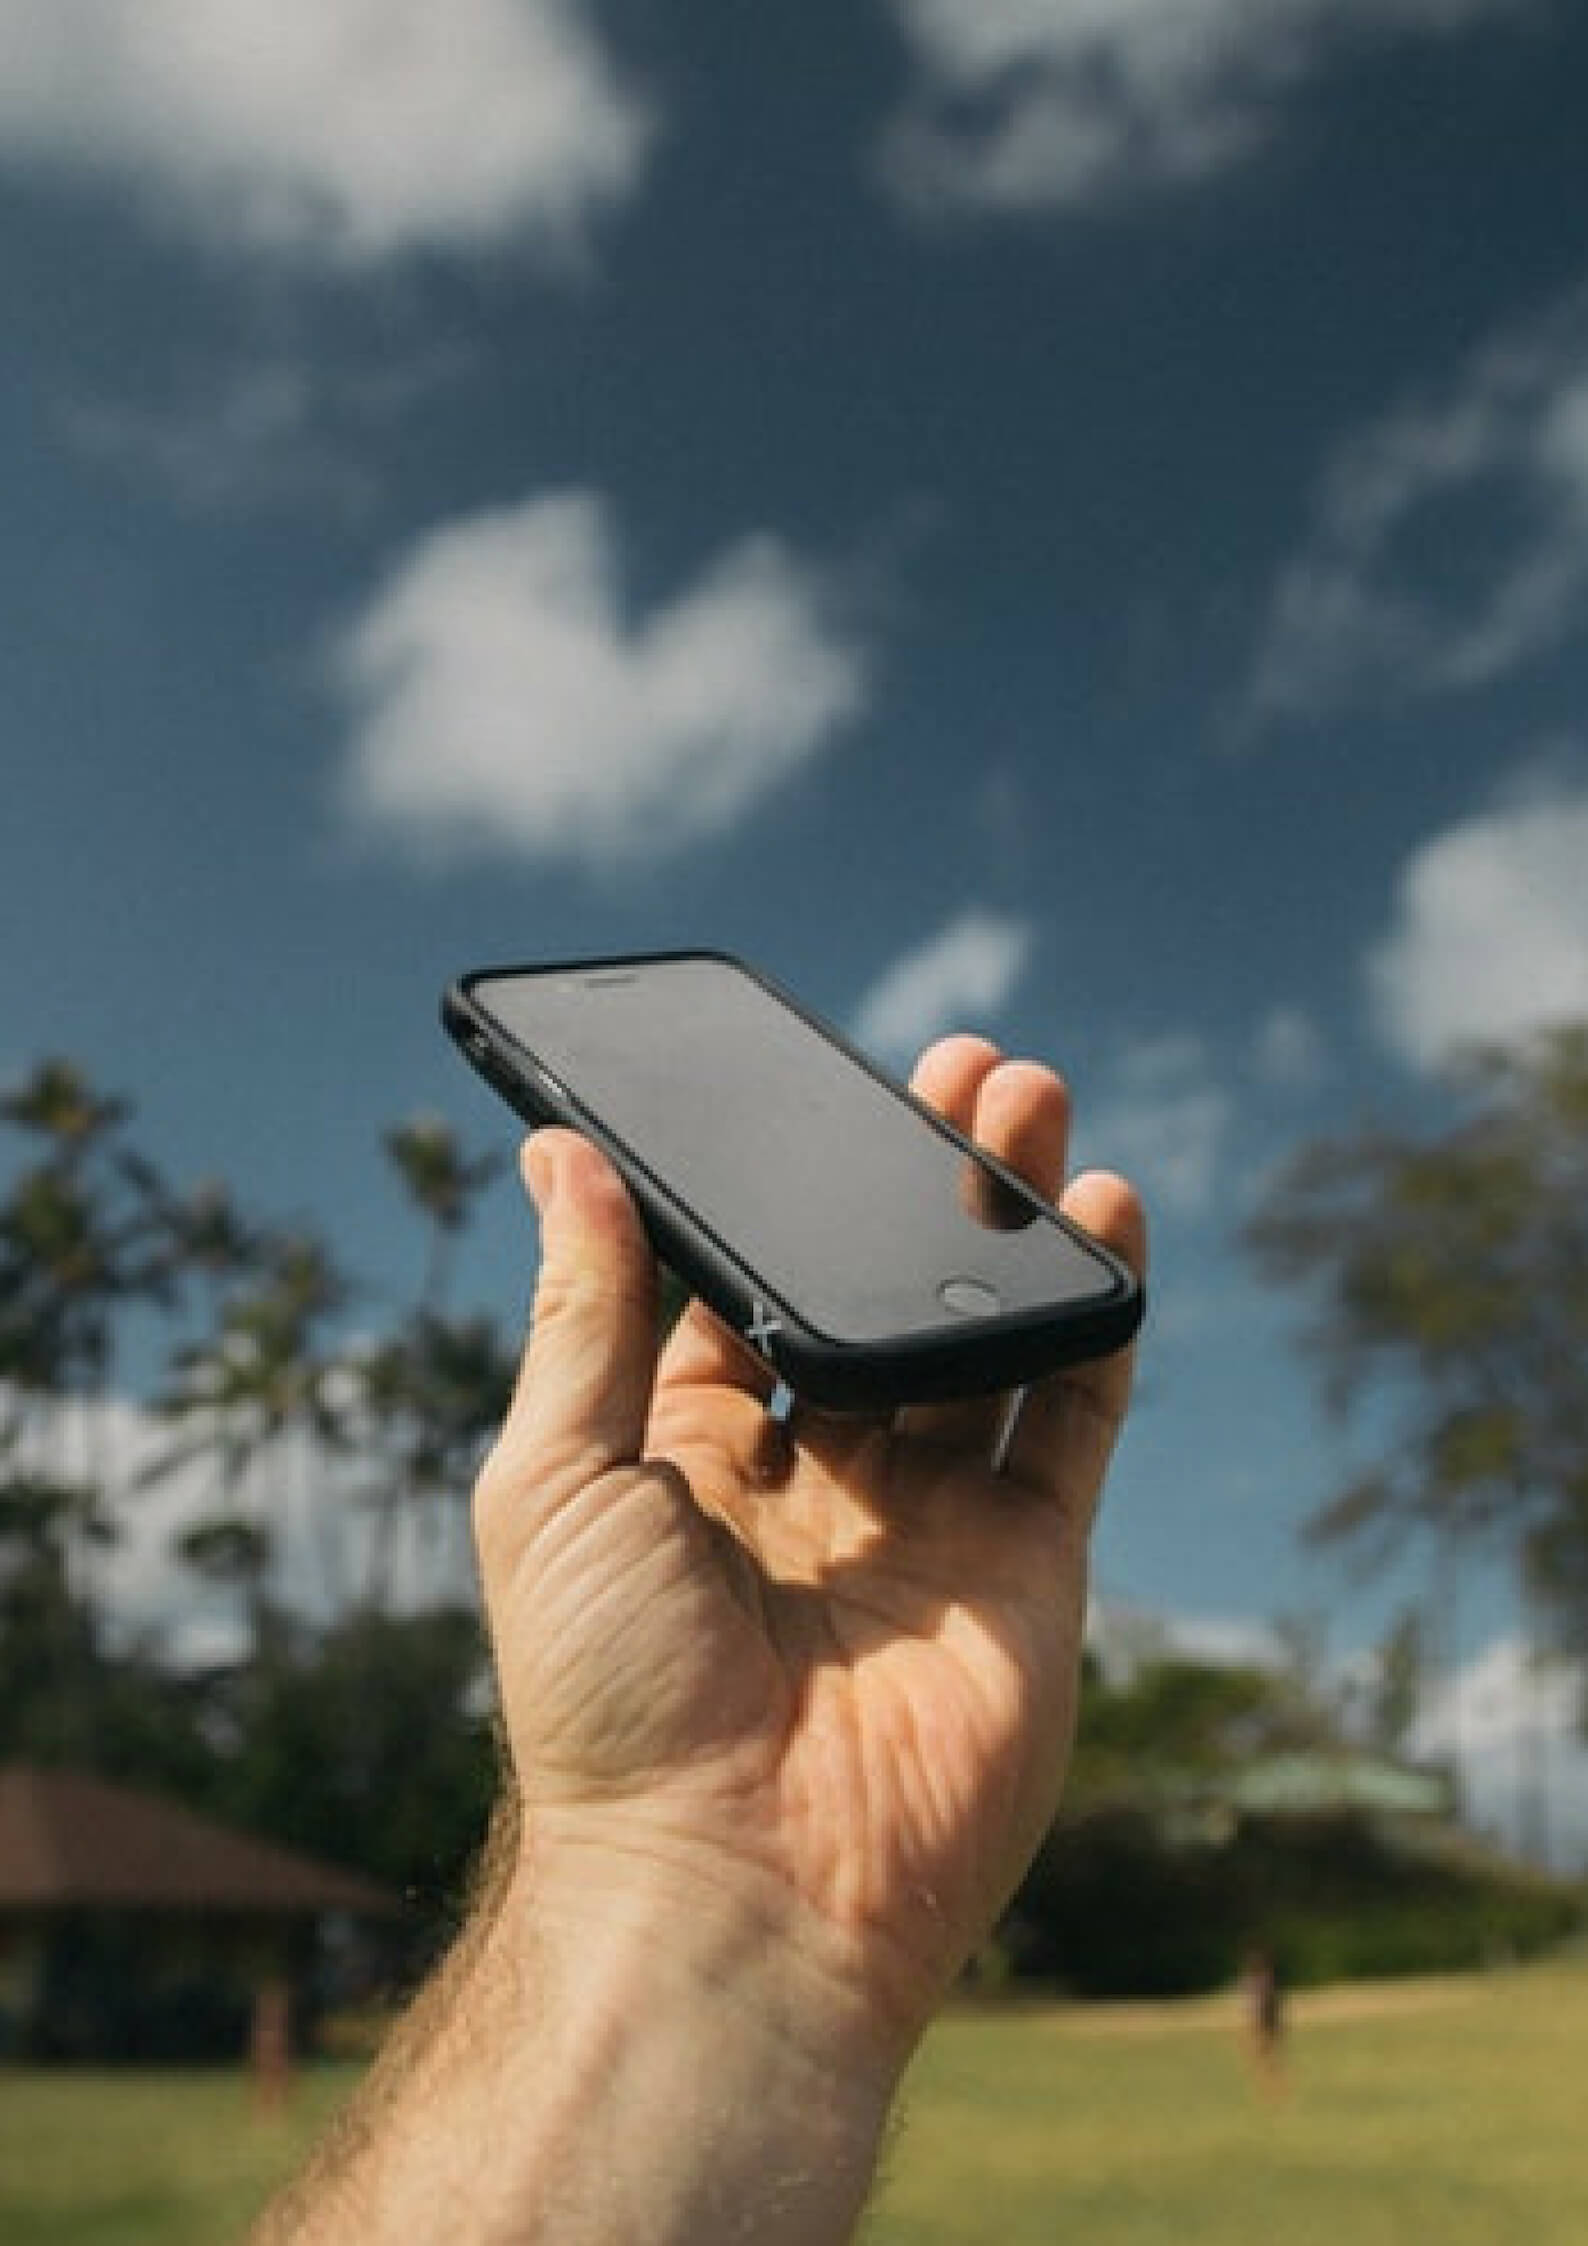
(1001, 1352)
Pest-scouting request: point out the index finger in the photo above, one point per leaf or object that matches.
(584, 1389)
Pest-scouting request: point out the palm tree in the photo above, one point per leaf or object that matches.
(79, 1245)
(204, 1238)
(261, 1391)
(59, 1104)
(77, 1249)
(435, 1388)
(50, 1659)
(442, 1183)
(431, 1397)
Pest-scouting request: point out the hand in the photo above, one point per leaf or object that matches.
(788, 1712)
(803, 1698)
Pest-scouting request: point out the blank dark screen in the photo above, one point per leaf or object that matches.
(844, 1203)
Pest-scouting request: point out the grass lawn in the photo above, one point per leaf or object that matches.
(158, 2159)
(1440, 2114)
(1437, 2114)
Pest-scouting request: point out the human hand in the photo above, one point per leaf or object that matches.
(799, 1700)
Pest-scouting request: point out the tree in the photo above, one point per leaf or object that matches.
(80, 1244)
(360, 1732)
(1450, 1275)
(260, 1396)
(1398, 1684)
(49, 1649)
(1180, 1720)
(442, 1182)
(436, 1386)
(59, 1104)
(81, 1239)
(1165, 1863)
(210, 1245)
(370, 1743)
(429, 1397)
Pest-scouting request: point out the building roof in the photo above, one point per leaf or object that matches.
(69, 1840)
(1297, 1784)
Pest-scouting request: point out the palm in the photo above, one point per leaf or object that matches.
(878, 1720)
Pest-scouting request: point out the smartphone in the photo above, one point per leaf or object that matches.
(865, 1250)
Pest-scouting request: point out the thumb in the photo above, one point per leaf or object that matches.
(584, 1389)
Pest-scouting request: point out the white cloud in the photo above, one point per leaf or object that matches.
(138, 1582)
(1449, 542)
(1510, 1726)
(1126, 1639)
(314, 1503)
(1029, 104)
(1162, 1118)
(217, 450)
(961, 978)
(1489, 938)
(1289, 1051)
(347, 130)
(504, 702)
(276, 430)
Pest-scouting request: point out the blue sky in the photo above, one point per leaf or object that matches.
(1060, 517)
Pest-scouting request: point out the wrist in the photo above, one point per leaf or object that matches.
(848, 1991)
(599, 2064)
(734, 2088)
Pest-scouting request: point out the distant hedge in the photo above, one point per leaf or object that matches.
(1444, 1935)
(1114, 1906)
(1334, 1901)
(1108, 1909)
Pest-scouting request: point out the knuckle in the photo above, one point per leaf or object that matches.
(586, 1292)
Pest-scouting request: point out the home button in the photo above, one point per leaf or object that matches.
(969, 1298)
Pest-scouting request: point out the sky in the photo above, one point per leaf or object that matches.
(1061, 517)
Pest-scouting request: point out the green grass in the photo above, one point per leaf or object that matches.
(1446, 2114)
(157, 2159)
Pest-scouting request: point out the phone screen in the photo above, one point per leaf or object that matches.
(850, 1207)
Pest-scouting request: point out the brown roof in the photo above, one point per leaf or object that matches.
(68, 1839)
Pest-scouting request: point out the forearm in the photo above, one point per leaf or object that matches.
(622, 2081)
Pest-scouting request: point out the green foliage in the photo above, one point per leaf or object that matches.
(1110, 1908)
(365, 1745)
(1334, 1898)
(361, 1737)
(1156, 1880)
(1398, 1687)
(429, 1397)
(442, 1183)
(1121, 1902)
(1453, 1933)
(1450, 1281)
(80, 1236)
(1176, 1719)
